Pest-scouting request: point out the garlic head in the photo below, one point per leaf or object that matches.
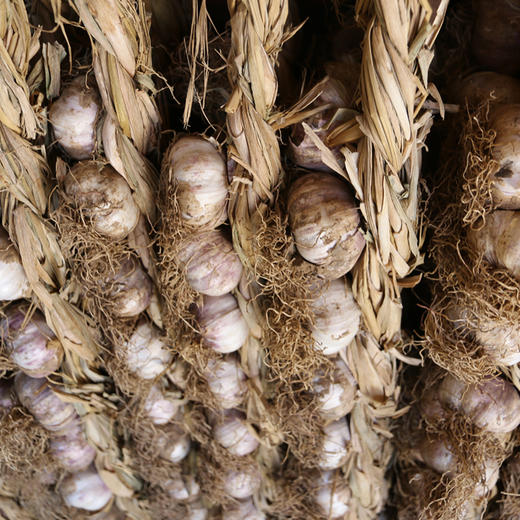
(233, 433)
(226, 381)
(14, 280)
(85, 490)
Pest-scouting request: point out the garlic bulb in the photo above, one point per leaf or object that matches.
(212, 266)
(223, 327)
(85, 490)
(505, 120)
(197, 511)
(493, 405)
(182, 488)
(336, 317)
(336, 397)
(146, 354)
(174, 443)
(438, 456)
(158, 407)
(104, 196)
(499, 337)
(31, 344)
(71, 449)
(46, 407)
(480, 86)
(233, 433)
(334, 450)
(129, 290)
(242, 483)
(332, 495)
(243, 511)
(226, 381)
(14, 280)
(7, 400)
(495, 41)
(73, 117)
(199, 172)
(325, 223)
(499, 240)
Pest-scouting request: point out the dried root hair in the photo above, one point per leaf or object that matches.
(487, 294)
(94, 259)
(508, 501)
(425, 494)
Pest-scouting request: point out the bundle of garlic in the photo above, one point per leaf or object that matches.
(460, 435)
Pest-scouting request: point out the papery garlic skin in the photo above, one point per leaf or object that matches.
(332, 495)
(104, 196)
(505, 120)
(438, 456)
(71, 449)
(182, 488)
(197, 511)
(334, 449)
(324, 221)
(232, 432)
(499, 240)
(7, 399)
(336, 317)
(174, 443)
(242, 483)
(46, 407)
(212, 266)
(336, 397)
(146, 354)
(130, 289)
(158, 407)
(500, 338)
(74, 116)
(222, 324)
(480, 86)
(199, 172)
(85, 490)
(226, 381)
(31, 344)
(493, 405)
(243, 511)
(14, 280)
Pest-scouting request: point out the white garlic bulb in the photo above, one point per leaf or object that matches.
(336, 317)
(46, 407)
(31, 344)
(103, 196)
(242, 483)
(222, 324)
(174, 443)
(7, 400)
(146, 354)
(158, 407)
(226, 381)
(197, 511)
(182, 488)
(334, 449)
(74, 116)
(324, 220)
(129, 290)
(233, 433)
(493, 404)
(71, 449)
(498, 239)
(436, 454)
(212, 266)
(332, 495)
(14, 280)
(85, 490)
(244, 510)
(336, 396)
(199, 172)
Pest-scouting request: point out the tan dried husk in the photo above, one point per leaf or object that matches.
(123, 67)
(486, 293)
(397, 52)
